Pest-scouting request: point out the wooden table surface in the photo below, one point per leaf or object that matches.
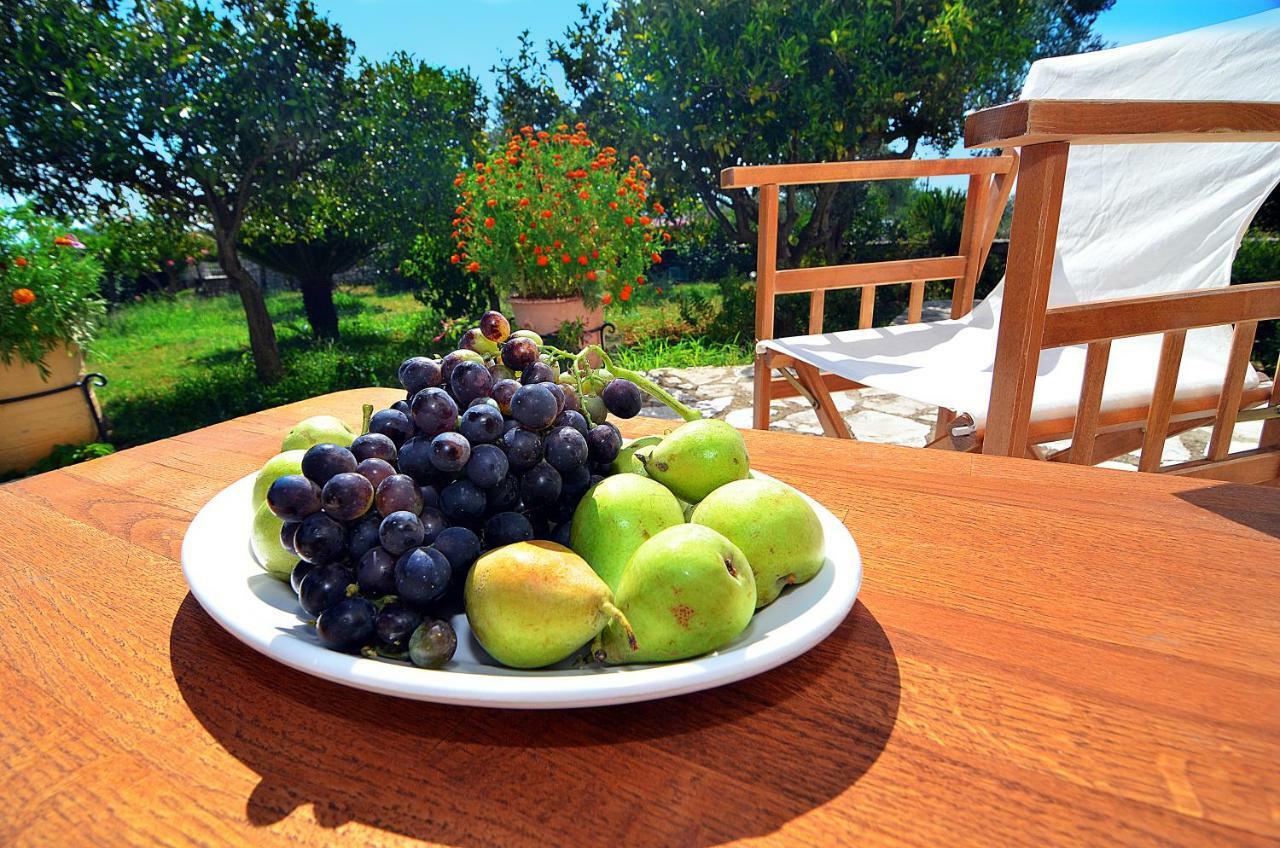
(1040, 653)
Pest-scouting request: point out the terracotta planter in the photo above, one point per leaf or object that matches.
(545, 315)
(32, 427)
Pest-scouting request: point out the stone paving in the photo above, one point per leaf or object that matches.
(872, 415)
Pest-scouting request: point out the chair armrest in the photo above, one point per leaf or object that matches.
(1025, 122)
(861, 171)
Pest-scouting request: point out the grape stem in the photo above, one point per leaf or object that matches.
(646, 385)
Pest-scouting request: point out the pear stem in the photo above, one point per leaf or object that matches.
(616, 614)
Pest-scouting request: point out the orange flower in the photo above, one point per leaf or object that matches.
(521, 238)
(524, 201)
(606, 298)
(640, 281)
(21, 262)
(625, 294)
(582, 195)
(491, 203)
(488, 223)
(579, 126)
(455, 259)
(658, 289)
(666, 236)
(473, 267)
(622, 192)
(628, 220)
(613, 204)
(582, 260)
(557, 244)
(655, 257)
(658, 207)
(591, 275)
(645, 219)
(23, 296)
(566, 258)
(546, 213)
(542, 260)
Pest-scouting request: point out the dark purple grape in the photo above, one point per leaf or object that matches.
(320, 539)
(432, 644)
(565, 448)
(463, 502)
(460, 546)
(595, 478)
(375, 470)
(363, 535)
(560, 535)
(484, 401)
(422, 575)
(563, 509)
(508, 425)
(433, 521)
(415, 459)
(376, 573)
(487, 466)
(418, 373)
(450, 452)
(540, 486)
(519, 353)
(503, 391)
(571, 400)
(455, 359)
(506, 528)
(374, 446)
(293, 497)
(505, 495)
(622, 398)
(288, 531)
(470, 380)
(534, 406)
(523, 447)
(401, 406)
(392, 423)
(537, 372)
(557, 391)
(569, 418)
(495, 326)
(322, 461)
(394, 626)
(400, 531)
(481, 424)
(574, 481)
(594, 409)
(430, 497)
(347, 496)
(398, 493)
(323, 586)
(300, 571)
(347, 626)
(434, 412)
(604, 441)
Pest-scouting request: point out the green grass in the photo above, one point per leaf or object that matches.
(684, 353)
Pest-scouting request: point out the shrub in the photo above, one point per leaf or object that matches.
(1258, 261)
(50, 288)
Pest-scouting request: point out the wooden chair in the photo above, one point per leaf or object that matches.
(991, 180)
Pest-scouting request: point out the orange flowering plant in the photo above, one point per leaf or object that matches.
(550, 214)
(48, 288)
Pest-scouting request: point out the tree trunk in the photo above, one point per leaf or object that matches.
(317, 301)
(262, 334)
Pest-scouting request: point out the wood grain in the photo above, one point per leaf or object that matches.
(1028, 122)
(1041, 654)
(747, 176)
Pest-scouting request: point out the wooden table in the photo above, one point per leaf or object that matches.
(1040, 653)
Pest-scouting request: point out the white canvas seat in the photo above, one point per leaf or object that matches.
(1137, 219)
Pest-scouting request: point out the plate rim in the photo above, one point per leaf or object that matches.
(533, 689)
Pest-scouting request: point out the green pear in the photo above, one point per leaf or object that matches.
(316, 430)
(697, 458)
(618, 515)
(280, 465)
(265, 542)
(773, 525)
(685, 592)
(531, 604)
(626, 462)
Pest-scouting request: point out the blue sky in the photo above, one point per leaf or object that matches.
(475, 33)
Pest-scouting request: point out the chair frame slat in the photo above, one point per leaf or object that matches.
(866, 307)
(799, 280)
(1232, 387)
(1084, 435)
(1157, 429)
(915, 304)
(766, 274)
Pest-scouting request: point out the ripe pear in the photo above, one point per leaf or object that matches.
(697, 458)
(531, 604)
(686, 591)
(626, 462)
(316, 430)
(265, 542)
(773, 525)
(615, 517)
(280, 465)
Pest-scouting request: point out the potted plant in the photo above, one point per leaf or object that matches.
(563, 226)
(49, 309)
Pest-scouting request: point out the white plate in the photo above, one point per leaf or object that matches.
(263, 612)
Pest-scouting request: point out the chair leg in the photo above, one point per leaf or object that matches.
(824, 405)
(761, 389)
(942, 427)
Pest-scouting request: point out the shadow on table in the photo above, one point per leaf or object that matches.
(1246, 505)
(733, 762)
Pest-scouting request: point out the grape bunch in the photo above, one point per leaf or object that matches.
(492, 444)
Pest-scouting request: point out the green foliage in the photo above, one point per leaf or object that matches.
(1258, 261)
(48, 288)
(684, 353)
(935, 219)
(141, 253)
(61, 456)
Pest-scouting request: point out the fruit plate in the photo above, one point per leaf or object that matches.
(262, 612)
